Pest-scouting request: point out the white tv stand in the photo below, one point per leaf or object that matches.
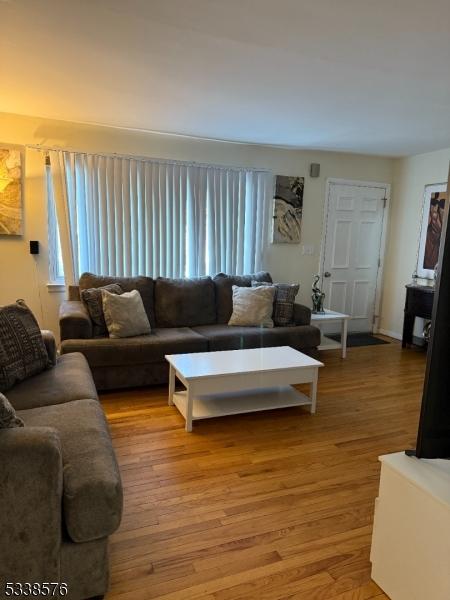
(411, 533)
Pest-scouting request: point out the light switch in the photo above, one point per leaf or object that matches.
(307, 249)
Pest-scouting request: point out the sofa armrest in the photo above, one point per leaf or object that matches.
(50, 345)
(74, 321)
(31, 483)
(302, 314)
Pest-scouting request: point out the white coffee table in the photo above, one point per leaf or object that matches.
(330, 316)
(240, 381)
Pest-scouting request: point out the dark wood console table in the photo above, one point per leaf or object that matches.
(419, 303)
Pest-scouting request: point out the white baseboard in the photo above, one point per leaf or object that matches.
(392, 334)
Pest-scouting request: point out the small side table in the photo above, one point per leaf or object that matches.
(329, 316)
(418, 303)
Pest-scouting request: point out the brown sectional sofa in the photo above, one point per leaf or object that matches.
(186, 315)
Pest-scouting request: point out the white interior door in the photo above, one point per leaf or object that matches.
(352, 251)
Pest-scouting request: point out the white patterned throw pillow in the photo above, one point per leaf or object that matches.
(252, 307)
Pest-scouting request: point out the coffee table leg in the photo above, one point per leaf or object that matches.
(344, 337)
(171, 384)
(189, 402)
(313, 391)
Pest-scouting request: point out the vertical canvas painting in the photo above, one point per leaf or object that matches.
(10, 192)
(430, 237)
(288, 209)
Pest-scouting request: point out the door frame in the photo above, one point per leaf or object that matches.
(384, 234)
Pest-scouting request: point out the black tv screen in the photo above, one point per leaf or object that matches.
(433, 438)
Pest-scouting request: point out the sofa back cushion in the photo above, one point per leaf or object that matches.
(224, 291)
(144, 285)
(184, 302)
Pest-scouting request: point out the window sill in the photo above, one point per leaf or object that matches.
(56, 288)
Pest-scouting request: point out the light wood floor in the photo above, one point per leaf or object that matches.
(271, 506)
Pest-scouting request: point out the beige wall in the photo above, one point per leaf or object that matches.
(20, 272)
(411, 175)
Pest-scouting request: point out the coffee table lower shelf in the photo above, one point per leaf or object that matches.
(246, 401)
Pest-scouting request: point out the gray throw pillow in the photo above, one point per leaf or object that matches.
(22, 348)
(252, 307)
(283, 306)
(8, 417)
(92, 298)
(125, 314)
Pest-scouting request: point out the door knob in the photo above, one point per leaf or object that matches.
(327, 274)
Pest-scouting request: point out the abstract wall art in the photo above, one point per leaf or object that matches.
(11, 217)
(287, 209)
(430, 236)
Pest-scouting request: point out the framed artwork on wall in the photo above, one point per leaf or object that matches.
(287, 209)
(11, 215)
(430, 235)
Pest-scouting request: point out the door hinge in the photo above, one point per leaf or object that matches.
(384, 202)
(379, 262)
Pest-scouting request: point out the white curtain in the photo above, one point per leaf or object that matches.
(62, 206)
(123, 216)
(236, 224)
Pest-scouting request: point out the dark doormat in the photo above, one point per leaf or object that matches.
(359, 339)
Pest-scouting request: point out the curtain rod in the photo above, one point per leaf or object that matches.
(170, 161)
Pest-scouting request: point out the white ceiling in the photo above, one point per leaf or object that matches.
(367, 76)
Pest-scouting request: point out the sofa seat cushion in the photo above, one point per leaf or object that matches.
(225, 337)
(92, 489)
(140, 350)
(69, 380)
(185, 302)
(144, 285)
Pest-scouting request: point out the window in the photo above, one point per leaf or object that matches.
(129, 217)
(56, 269)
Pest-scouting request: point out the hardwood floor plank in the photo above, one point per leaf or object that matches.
(271, 506)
